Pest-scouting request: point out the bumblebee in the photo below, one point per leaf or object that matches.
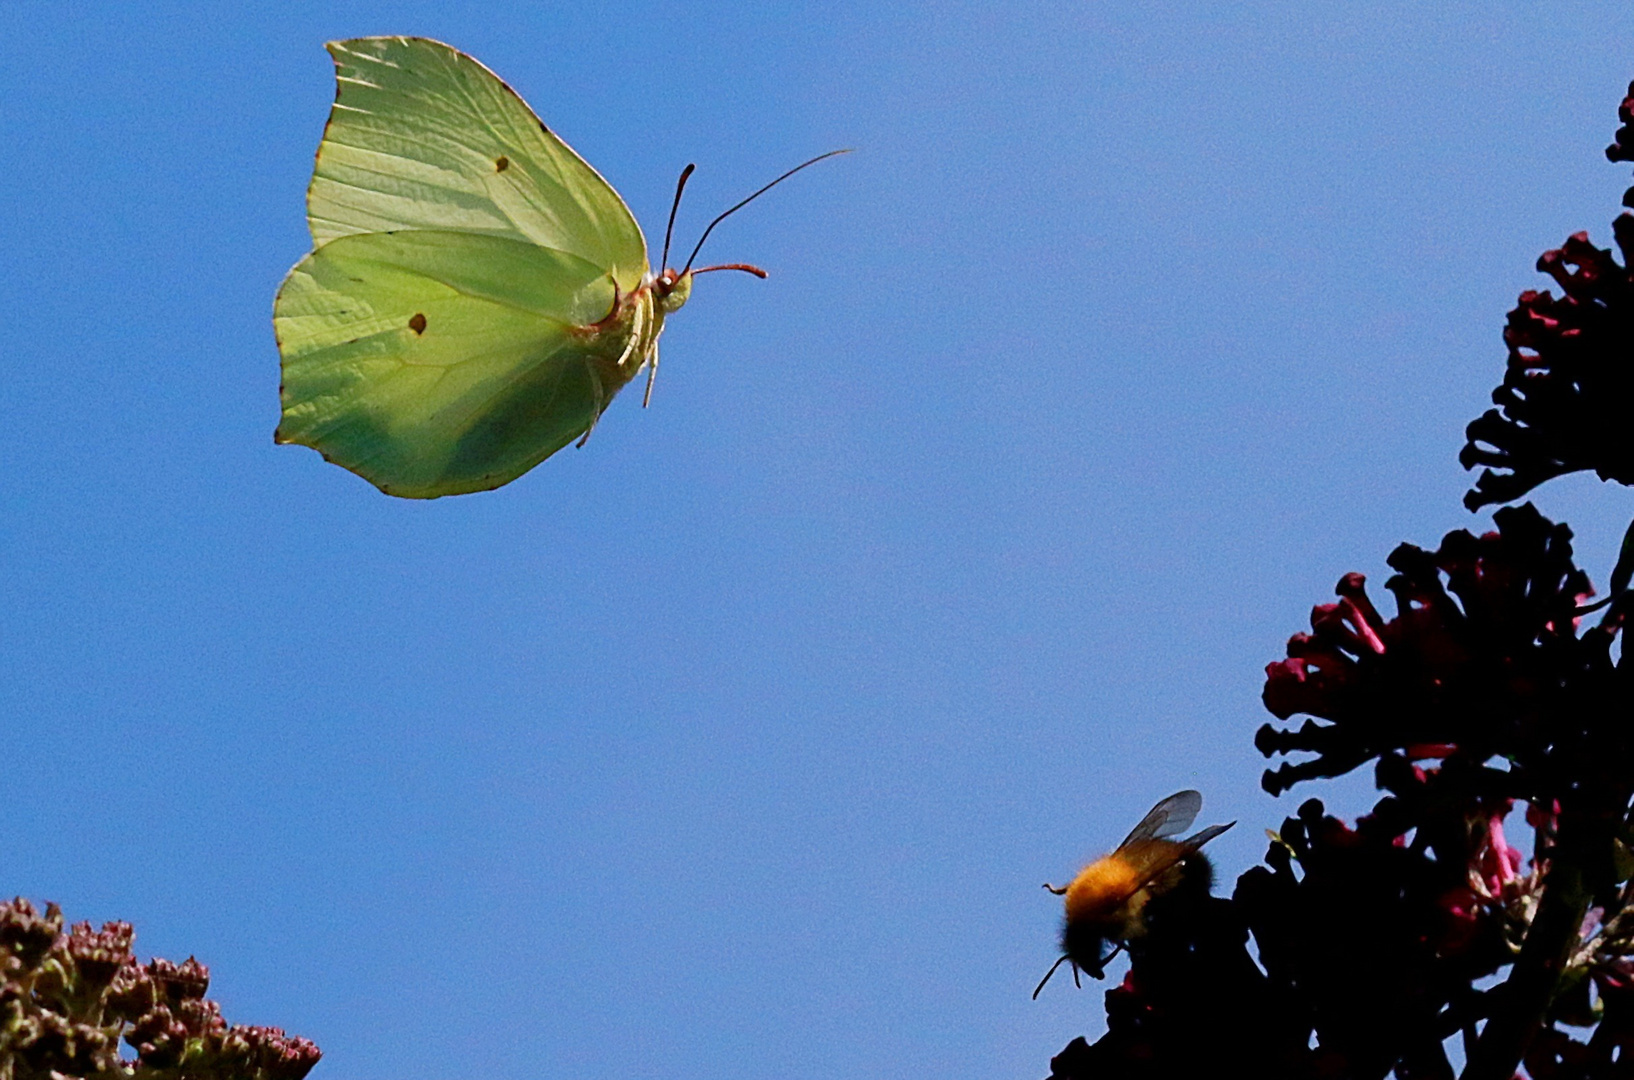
(1106, 901)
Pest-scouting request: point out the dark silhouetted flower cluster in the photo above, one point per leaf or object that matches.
(1484, 667)
(1192, 1002)
(67, 999)
(1420, 941)
(1571, 367)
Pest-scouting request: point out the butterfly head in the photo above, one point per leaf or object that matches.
(671, 290)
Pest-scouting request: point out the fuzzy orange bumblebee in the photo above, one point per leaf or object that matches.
(1107, 900)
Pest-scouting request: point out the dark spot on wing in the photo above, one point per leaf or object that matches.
(501, 163)
(418, 323)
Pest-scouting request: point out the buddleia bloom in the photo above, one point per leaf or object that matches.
(68, 999)
(1570, 375)
(1484, 659)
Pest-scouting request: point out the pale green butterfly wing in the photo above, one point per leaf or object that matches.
(440, 363)
(448, 332)
(422, 136)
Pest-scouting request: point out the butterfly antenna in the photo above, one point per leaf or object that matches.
(680, 185)
(749, 200)
(1048, 973)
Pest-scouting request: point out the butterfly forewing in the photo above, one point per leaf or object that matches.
(422, 136)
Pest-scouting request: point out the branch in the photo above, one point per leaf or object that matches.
(1520, 1004)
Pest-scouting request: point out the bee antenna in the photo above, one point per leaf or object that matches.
(1050, 972)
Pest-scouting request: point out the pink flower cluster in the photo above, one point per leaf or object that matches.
(1571, 367)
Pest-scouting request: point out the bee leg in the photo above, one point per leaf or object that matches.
(1075, 981)
(1099, 970)
(1061, 891)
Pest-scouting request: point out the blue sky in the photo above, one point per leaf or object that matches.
(743, 737)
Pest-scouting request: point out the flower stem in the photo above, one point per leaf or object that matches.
(1521, 1003)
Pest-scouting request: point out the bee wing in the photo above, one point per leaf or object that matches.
(1203, 836)
(1173, 815)
(1147, 859)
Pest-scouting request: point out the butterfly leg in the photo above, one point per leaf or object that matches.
(652, 373)
(601, 403)
(1059, 890)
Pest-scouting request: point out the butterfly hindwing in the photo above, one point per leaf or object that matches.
(438, 363)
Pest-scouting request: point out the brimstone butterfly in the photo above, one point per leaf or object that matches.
(476, 293)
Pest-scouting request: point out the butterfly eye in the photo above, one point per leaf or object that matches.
(674, 291)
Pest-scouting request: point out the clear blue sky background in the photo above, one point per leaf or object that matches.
(738, 742)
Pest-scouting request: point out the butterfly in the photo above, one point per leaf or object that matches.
(476, 293)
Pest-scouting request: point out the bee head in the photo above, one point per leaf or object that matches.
(1088, 947)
